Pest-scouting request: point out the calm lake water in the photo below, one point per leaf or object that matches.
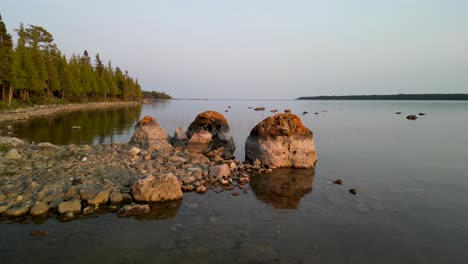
(411, 178)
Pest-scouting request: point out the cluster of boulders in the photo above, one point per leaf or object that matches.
(43, 180)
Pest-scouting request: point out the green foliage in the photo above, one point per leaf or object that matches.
(155, 95)
(37, 72)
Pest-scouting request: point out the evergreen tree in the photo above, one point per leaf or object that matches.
(6, 63)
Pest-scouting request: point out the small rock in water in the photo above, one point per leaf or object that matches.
(339, 182)
(421, 114)
(412, 117)
(287, 110)
(229, 107)
(305, 113)
(317, 113)
(274, 110)
(260, 108)
(352, 191)
(398, 113)
(201, 189)
(39, 233)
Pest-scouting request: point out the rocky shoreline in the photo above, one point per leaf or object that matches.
(45, 110)
(39, 181)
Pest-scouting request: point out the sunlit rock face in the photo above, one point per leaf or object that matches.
(281, 141)
(215, 124)
(149, 135)
(157, 188)
(283, 188)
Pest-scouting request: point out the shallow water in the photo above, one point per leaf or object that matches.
(411, 178)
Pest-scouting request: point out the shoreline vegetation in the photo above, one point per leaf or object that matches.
(36, 72)
(445, 97)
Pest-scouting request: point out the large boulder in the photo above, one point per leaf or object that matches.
(157, 188)
(217, 125)
(281, 141)
(149, 135)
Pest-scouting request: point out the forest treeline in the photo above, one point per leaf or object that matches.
(36, 71)
(390, 97)
(156, 95)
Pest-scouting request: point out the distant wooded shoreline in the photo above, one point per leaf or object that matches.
(450, 97)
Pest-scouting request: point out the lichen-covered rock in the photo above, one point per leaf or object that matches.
(157, 188)
(217, 125)
(281, 141)
(149, 135)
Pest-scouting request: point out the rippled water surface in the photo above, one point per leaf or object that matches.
(411, 179)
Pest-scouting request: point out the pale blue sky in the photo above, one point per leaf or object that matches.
(266, 48)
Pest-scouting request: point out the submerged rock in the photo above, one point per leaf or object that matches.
(260, 108)
(281, 141)
(133, 209)
(157, 188)
(149, 135)
(46, 146)
(412, 117)
(216, 124)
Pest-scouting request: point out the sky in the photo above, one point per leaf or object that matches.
(265, 49)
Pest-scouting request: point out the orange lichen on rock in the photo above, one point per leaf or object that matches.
(282, 125)
(147, 120)
(210, 118)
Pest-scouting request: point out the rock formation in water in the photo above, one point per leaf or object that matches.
(149, 135)
(215, 124)
(281, 141)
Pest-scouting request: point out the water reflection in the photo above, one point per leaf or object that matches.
(80, 127)
(161, 211)
(283, 188)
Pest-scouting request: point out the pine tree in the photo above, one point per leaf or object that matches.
(6, 63)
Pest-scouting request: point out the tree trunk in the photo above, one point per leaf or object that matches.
(10, 94)
(3, 94)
